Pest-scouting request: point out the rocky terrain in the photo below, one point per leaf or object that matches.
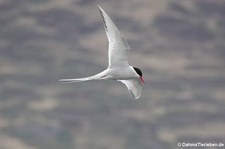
(178, 44)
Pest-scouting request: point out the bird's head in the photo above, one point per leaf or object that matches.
(139, 72)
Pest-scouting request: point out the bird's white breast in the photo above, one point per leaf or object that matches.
(122, 73)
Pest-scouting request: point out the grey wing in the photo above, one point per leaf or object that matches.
(118, 47)
(134, 86)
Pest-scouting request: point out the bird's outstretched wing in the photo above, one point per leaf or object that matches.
(134, 86)
(118, 47)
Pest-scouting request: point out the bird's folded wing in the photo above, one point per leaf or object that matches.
(118, 46)
(134, 86)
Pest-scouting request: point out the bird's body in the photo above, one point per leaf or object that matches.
(118, 68)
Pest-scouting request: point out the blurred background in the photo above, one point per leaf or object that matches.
(179, 45)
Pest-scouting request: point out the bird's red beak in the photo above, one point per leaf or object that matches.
(142, 80)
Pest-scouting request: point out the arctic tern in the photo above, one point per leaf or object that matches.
(118, 67)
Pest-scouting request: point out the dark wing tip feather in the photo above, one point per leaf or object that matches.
(103, 18)
(131, 93)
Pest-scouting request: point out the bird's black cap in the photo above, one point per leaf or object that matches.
(138, 71)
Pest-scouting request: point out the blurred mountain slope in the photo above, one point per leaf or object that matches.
(178, 44)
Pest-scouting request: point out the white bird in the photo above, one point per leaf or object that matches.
(118, 68)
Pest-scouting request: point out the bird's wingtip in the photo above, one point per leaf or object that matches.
(99, 7)
(136, 98)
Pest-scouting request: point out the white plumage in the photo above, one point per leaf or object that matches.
(118, 67)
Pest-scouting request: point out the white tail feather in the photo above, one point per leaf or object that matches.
(73, 80)
(98, 76)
